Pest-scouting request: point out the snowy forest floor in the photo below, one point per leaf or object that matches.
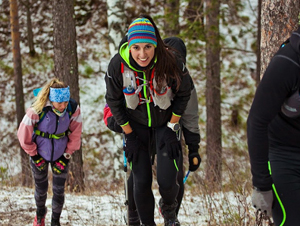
(17, 207)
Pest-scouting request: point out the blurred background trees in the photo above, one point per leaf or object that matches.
(74, 40)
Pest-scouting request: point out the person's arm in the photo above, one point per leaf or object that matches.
(127, 128)
(110, 121)
(76, 129)
(182, 95)
(25, 132)
(190, 130)
(175, 118)
(114, 91)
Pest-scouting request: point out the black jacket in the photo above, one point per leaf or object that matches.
(145, 114)
(268, 129)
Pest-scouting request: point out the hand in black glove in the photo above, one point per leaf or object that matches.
(132, 145)
(171, 142)
(39, 162)
(60, 165)
(194, 157)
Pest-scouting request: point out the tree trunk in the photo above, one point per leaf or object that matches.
(116, 24)
(213, 95)
(278, 20)
(15, 36)
(66, 69)
(171, 22)
(27, 6)
(258, 67)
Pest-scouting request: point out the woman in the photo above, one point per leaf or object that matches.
(50, 133)
(189, 127)
(149, 87)
(273, 137)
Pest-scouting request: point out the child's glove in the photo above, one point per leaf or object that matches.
(60, 165)
(39, 162)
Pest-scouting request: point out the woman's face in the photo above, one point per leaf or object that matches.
(60, 106)
(142, 53)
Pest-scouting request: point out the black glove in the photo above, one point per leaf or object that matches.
(194, 157)
(171, 142)
(132, 145)
(60, 165)
(39, 162)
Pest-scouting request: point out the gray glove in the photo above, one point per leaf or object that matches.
(263, 201)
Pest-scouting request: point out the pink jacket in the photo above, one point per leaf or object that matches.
(30, 119)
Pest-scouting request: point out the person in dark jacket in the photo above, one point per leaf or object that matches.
(148, 88)
(50, 134)
(189, 127)
(273, 137)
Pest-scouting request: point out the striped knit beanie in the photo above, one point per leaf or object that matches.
(141, 30)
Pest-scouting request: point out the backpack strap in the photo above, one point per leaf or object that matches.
(72, 106)
(43, 113)
(50, 136)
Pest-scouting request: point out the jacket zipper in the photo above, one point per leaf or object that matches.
(147, 103)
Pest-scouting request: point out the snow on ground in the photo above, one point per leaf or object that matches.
(17, 208)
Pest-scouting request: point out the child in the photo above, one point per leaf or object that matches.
(49, 133)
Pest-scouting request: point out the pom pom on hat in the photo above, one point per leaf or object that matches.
(141, 30)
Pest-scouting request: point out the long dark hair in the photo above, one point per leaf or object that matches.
(166, 64)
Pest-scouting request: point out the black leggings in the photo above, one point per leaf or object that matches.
(285, 170)
(41, 189)
(141, 176)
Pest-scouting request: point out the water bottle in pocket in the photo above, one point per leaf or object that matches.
(132, 98)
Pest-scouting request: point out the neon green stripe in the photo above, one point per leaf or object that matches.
(149, 114)
(125, 124)
(176, 165)
(147, 103)
(176, 115)
(278, 198)
(57, 136)
(54, 136)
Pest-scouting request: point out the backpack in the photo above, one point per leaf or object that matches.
(291, 105)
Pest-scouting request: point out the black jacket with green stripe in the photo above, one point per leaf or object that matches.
(146, 113)
(269, 128)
